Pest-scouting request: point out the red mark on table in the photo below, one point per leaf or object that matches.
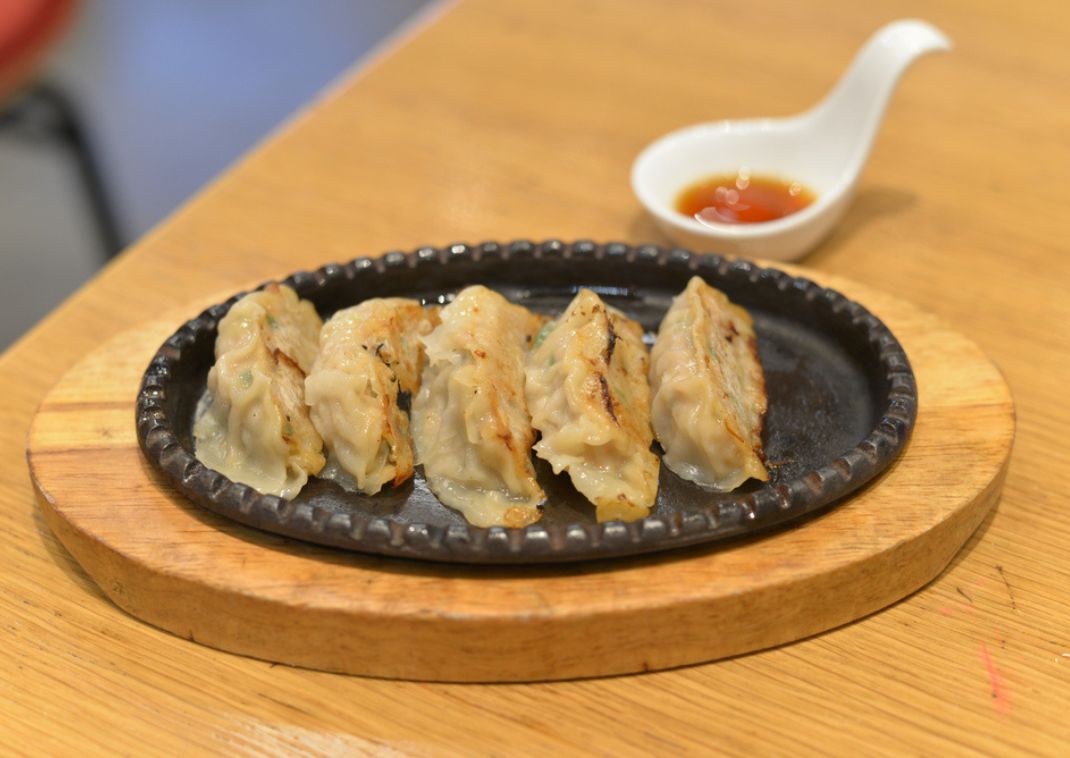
(998, 687)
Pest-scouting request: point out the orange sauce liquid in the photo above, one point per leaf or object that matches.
(742, 199)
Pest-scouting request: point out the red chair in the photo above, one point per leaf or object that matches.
(28, 29)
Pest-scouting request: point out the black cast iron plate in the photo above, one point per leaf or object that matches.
(842, 403)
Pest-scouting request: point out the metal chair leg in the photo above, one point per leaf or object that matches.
(44, 109)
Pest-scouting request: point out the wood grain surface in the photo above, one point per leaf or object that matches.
(209, 580)
(502, 119)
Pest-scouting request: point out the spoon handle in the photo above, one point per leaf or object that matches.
(853, 109)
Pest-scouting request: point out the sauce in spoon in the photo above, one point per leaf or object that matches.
(741, 198)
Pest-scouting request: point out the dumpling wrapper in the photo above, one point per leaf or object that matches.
(589, 398)
(368, 355)
(709, 390)
(252, 423)
(470, 422)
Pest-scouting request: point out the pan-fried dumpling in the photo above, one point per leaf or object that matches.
(369, 354)
(252, 423)
(589, 398)
(709, 390)
(470, 421)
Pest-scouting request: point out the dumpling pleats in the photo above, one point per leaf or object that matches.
(470, 421)
(589, 399)
(709, 398)
(370, 357)
(252, 423)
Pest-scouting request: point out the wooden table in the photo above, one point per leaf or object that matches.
(505, 119)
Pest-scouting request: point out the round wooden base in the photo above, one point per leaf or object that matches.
(221, 584)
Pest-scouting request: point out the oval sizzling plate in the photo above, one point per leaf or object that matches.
(842, 402)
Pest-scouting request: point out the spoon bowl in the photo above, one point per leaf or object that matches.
(824, 149)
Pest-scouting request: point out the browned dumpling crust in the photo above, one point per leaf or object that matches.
(709, 399)
(369, 355)
(470, 421)
(252, 423)
(589, 398)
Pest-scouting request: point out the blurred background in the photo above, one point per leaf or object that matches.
(113, 112)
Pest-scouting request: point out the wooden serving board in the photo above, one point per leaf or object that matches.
(218, 583)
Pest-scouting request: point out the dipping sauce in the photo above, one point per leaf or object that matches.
(741, 198)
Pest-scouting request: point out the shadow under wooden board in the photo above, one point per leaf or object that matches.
(214, 581)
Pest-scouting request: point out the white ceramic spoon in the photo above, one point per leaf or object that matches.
(824, 149)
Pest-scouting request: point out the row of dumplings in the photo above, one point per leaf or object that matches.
(489, 381)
